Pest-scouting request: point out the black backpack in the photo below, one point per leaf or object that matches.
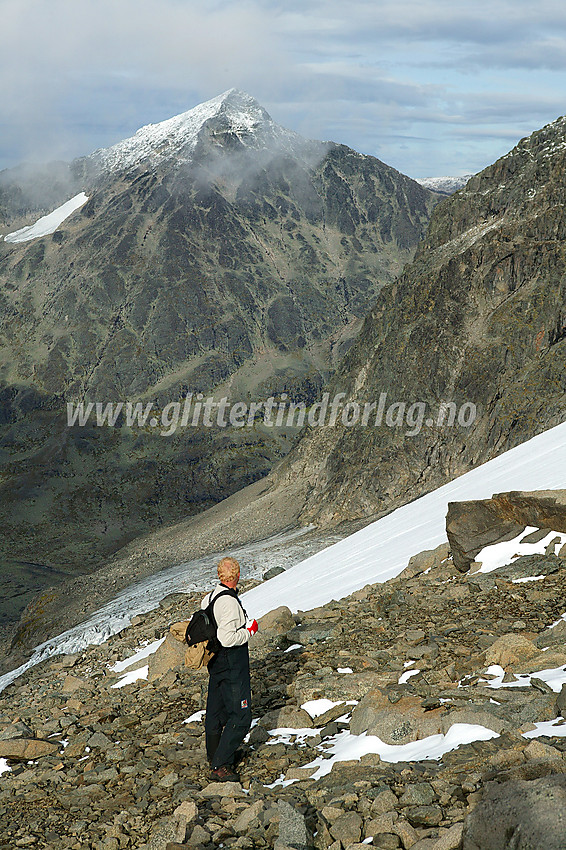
(203, 627)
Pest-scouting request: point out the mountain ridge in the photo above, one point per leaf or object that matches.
(478, 316)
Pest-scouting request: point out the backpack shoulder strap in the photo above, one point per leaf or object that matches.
(227, 592)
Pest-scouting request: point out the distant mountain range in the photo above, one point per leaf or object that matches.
(215, 252)
(444, 185)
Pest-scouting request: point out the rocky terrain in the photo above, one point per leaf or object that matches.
(96, 766)
(217, 253)
(477, 318)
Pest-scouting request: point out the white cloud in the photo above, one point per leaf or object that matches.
(401, 77)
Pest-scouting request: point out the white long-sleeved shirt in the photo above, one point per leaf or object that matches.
(230, 618)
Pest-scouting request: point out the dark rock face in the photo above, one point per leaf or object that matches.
(522, 815)
(477, 318)
(472, 525)
(244, 270)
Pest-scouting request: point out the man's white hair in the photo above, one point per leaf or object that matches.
(228, 569)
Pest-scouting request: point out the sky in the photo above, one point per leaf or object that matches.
(431, 87)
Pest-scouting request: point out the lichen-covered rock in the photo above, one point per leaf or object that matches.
(26, 749)
(400, 723)
(525, 815)
(169, 656)
(510, 649)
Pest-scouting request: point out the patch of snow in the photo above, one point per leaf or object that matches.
(138, 656)
(528, 578)
(48, 224)
(283, 735)
(281, 782)
(196, 717)
(500, 554)
(316, 707)
(294, 646)
(4, 767)
(550, 728)
(404, 677)
(346, 747)
(133, 676)
(344, 670)
(555, 677)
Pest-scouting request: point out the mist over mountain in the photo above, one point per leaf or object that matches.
(217, 253)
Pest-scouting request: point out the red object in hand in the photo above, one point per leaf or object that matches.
(252, 627)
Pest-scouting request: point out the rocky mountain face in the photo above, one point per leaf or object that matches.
(217, 253)
(113, 767)
(478, 318)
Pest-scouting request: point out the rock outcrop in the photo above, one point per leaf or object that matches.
(472, 525)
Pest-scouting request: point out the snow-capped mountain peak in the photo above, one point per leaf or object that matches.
(233, 112)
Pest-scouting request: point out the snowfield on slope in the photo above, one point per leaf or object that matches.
(382, 549)
(48, 224)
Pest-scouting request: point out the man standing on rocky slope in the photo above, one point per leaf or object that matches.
(228, 705)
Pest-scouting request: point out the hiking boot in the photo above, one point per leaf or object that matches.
(224, 773)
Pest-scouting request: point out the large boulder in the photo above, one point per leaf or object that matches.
(169, 656)
(280, 620)
(426, 560)
(519, 814)
(349, 687)
(289, 717)
(511, 649)
(472, 525)
(27, 749)
(401, 723)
